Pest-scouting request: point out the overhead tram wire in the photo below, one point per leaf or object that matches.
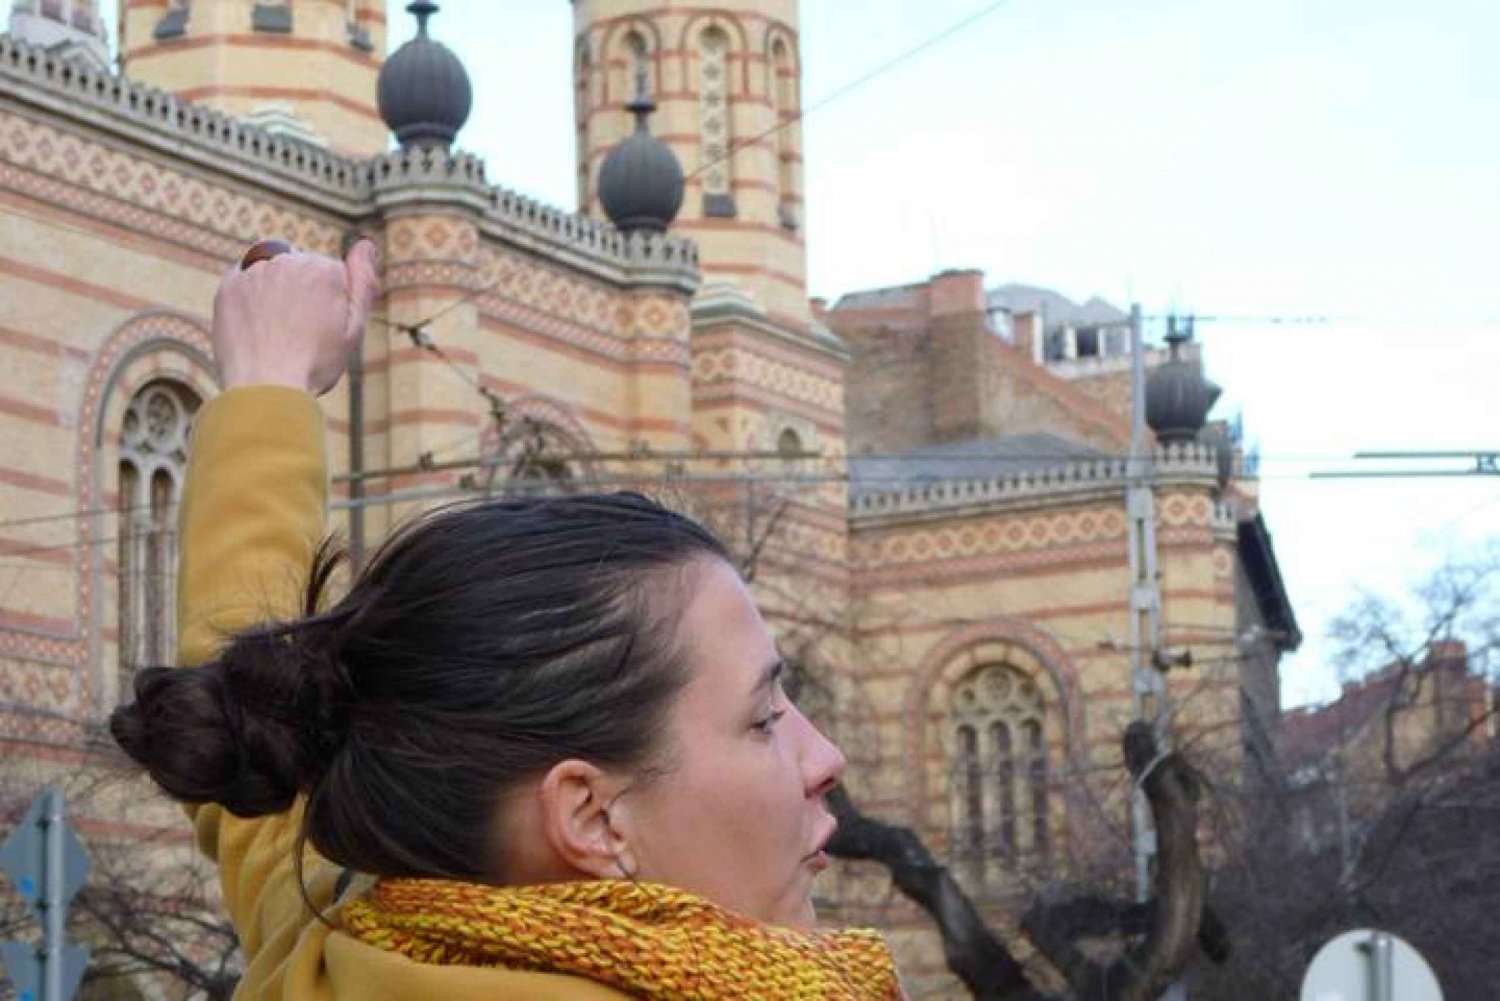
(773, 474)
(856, 83)
(419, 331)
(1484, 462)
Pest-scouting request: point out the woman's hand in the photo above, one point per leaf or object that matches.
(293, 320)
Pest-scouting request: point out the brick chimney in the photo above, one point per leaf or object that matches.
(961, 355)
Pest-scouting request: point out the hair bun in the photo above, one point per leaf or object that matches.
(248, 731)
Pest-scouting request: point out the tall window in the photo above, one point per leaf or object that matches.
(716, 128)
(153, 455)
(970, 841)
(1000, 771)
(783, 93)
(639, 54)
(583, 106)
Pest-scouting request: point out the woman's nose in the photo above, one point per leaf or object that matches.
(823, 762)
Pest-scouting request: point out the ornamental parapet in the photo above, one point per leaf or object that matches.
(343, 185)
(1191, 464)
(160, 118)
(632, 258)
(434, 174)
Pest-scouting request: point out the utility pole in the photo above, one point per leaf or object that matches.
(1147, 683)
(1148, 680)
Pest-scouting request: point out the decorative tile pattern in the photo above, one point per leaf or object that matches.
(739, 365)
(134, 191)
(925, 544)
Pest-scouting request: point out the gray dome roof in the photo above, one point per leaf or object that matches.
(423, 89)
(1178, 397)
(640, 183)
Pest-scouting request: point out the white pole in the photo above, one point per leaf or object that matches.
(52, 898)
(1138, 511)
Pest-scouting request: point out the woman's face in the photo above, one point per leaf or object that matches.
(740, 818)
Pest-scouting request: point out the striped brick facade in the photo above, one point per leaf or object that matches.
(121, 203)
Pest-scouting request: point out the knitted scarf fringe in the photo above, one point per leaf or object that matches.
(647, 940)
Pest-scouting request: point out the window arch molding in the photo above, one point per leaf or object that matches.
(151, 346)
(530, 418)
(739, 44)
(1002, 640)
(613, 59)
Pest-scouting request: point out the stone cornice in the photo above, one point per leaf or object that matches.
(727, 305)
(1191, 465)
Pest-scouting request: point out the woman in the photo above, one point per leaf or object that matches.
(552, 731)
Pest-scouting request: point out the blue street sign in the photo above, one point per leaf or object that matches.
(25, 964)
(23, 856)
(48, 865)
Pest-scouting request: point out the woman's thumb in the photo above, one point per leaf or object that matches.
(362, 283)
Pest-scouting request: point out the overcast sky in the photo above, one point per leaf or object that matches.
(1270, 158)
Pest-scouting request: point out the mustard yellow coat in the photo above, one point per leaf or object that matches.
(252, 515)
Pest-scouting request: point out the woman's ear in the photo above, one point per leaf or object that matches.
(576, 800)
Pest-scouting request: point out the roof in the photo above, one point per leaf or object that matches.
(1259, 560)
(880, 298)
(976, 459)
(1058, 309)
(1306, 736)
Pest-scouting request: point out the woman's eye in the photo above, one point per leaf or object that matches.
(768, 724)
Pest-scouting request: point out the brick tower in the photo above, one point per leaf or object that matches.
(305, 69)
(767, 375)
(723, 75)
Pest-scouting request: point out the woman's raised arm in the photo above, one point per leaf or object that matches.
(253, 515)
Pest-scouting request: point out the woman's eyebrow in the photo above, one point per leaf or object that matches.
(769, 677)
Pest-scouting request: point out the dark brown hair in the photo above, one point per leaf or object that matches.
(482, 645)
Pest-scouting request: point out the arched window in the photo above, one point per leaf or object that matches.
(1008, 768)
(783, 94)
(533, 457)
(716, 125)
(640, 64)
(789, 443)
(583, 72)
(153, 455)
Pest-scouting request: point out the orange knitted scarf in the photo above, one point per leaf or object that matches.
(647, 940)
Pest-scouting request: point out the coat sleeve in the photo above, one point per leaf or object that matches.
(252, 517)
